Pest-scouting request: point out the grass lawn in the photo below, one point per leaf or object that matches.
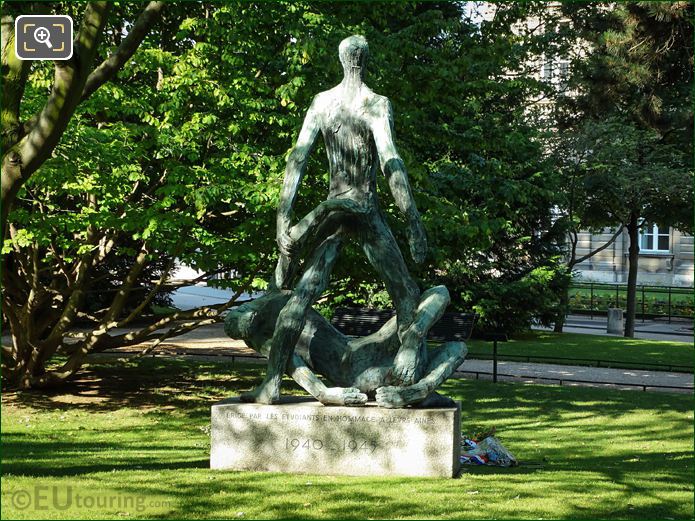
(678, 295)
(132, 440)
(622, 352)
(655, 301)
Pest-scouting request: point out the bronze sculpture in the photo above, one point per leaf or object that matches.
(357, 128)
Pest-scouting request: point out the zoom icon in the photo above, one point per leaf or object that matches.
(43, 37)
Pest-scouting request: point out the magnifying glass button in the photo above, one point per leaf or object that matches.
(42, 35)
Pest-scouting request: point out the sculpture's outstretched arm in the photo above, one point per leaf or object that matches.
(296, 166)
(317, 224)
(313, 223)
(393, 168)
(308, 380)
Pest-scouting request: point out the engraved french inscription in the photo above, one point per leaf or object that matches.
(305, 436)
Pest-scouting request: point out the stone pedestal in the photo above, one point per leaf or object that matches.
(615, 321)
(302, 436)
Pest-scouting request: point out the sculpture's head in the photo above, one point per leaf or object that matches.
(353, 52)
(239, 322)
(254, 321)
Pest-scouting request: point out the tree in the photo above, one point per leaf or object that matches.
(31, 131)
(629, 117)
(570, 151)
(634, 179)
(27, 144)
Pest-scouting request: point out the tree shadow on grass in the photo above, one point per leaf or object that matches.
(553, 401)
(297, 496)
(24, 454)
(148, 382)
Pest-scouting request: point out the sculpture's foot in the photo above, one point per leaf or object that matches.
(408, 362)
(342, 396)
(393, 397)
(404, 367)
(266, 393)
(434, 400)
(407, 365)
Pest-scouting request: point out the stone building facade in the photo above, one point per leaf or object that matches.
(665, 258)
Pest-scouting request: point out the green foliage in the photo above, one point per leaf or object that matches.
(514, 304)
(629, 127)
(640, 66)
(185, 151)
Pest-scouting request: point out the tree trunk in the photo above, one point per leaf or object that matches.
(572, 262)
(563, 309)
(633, 258)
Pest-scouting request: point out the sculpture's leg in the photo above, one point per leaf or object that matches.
(291, 319)
(444, 362)
(322, 222)
(283, 270)
(326, 395)
(384, 255)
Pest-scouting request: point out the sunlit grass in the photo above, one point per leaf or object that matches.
(138, 431)
(623, 352)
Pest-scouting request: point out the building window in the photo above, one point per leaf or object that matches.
(556, 73)
(563, 74)
(547, 71)
(653, 239)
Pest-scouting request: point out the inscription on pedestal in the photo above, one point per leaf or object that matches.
(304, 436)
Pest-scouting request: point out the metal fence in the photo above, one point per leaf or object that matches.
(594, 298)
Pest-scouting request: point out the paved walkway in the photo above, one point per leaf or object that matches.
(635, 379)
(678, 330)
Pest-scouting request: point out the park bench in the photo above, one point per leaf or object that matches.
(452, 326)
(363, 322)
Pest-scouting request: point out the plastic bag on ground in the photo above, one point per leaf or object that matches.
(488, 451)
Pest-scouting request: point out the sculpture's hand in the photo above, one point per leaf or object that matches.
(418, 242)
(286, 244)
(392, 397)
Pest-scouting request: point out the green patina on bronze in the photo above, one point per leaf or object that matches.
(393, 365)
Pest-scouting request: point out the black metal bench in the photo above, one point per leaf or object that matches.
(452, 326)
(362, 322)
